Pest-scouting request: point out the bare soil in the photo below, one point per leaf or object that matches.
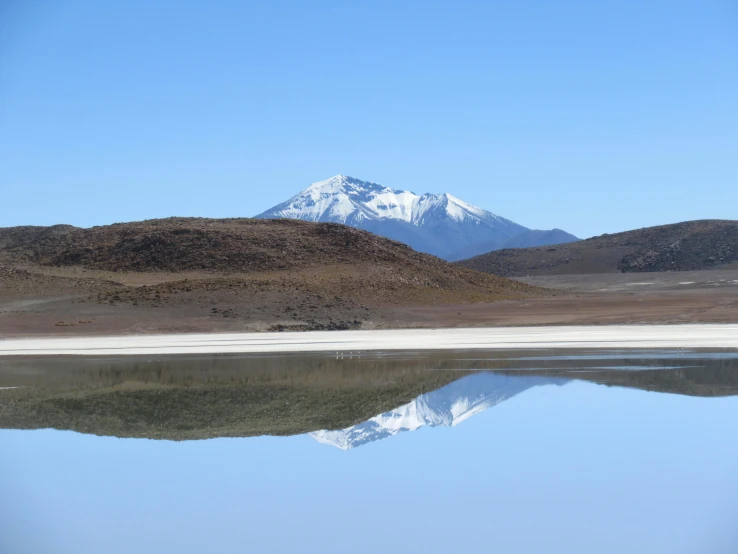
(336, 278)
(605, 299)
(332, 298)
(190, 274)
(305, 302)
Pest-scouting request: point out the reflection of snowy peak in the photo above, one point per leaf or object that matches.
(447, 407)
(436, 223)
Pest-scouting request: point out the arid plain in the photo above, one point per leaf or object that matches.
(182, 275)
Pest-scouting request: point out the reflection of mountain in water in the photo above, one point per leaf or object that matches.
(201, 397)
(446, 407)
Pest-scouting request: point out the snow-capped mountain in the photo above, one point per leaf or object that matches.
(439, 224)
(447, 407)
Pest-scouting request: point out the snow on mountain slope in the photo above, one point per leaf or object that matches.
(446, 407)
(344, 199)
(435, 223)
(430, 205)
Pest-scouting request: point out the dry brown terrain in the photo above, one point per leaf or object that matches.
(180, 275)
(585, 300)
(225, 304)
(691, 245)
(305, 276)
(179, 244)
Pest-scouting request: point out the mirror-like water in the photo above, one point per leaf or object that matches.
(608, 452)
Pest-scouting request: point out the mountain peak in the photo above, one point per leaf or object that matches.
(342, 198)
(435, 223)
(344, 183)
(335, 180)
(341, 178)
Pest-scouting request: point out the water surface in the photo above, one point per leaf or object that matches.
(604, 452)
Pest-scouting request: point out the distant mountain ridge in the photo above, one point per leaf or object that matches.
(685, 246)
(526, 239)
(439, 224)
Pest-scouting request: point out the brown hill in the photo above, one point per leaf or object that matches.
(192, 274)
(239, 247)
(186, 244)
(691, 245)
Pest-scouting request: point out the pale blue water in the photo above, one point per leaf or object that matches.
(549, 464)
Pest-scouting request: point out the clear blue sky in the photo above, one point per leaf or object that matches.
(578, 469)
(590, 116)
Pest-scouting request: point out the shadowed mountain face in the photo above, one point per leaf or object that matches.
(439, 224)
(691, 245)
(526, 239)
(200, 397)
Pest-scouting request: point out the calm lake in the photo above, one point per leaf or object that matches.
(519, 452)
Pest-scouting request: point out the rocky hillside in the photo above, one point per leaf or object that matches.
(239, 246)
(186, 244)
(691, 245)
(226, 275)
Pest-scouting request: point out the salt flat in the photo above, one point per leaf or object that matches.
(508, 338)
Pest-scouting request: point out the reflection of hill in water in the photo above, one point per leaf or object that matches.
(447, 407)
(197, 397)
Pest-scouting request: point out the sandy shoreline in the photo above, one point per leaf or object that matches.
(508, 338)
